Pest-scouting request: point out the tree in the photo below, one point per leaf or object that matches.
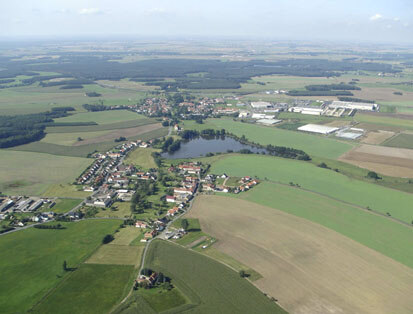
(108, 238)
(373, 175)
(184, 224)
(65, 266)
(242, 273)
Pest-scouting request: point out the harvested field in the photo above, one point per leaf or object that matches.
(130, 132)
(377, 137)
(308, 268)
(395, 162)
(338, 123)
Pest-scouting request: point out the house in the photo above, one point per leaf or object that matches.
(170, 199)
(141, 224)
(173, 211)
(150, 234)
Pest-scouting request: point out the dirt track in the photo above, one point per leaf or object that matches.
(308, 268)
(120, 132)
(396, 162)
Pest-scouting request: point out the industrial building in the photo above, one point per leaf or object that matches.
(354, 105)
(268, 121)
(307, 110)
(316, 128)
(260, 105)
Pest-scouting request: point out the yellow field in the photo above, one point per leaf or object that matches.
(126, 235)
(308, 268)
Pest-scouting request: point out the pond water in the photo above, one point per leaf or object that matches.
(201, 146)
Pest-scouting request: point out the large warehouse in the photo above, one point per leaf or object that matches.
(260, 104)
(354, 105)
(316, 128)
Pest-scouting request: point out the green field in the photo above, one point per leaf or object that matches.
(35, 258)
(142, 158)
(210, 286)
(102, 117)
(376, 232)
(117, 210)
(69, 139)
(65, 190)
(385, 121)
(402, 140)
(90, 289)
(114, 254)
(64, 205)
(311, 144)
(324, 181)
(32, 173)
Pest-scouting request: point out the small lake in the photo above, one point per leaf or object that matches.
(201, 146)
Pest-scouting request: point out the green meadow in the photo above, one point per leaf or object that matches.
(32, 173)
(385, 121)
(402, 140)
(210, 286)
(323, 181)
(35, 258)
(376, 232)
(311, 144)
(91, 288)
(101, 117)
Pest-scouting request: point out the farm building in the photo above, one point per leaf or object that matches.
(316, 128)
(260, 104)
(268, 121)
(354, 105)
(307, 110)
(350, 134)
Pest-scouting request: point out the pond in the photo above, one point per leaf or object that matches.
(201, 146)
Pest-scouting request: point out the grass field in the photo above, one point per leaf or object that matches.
(162, 300)
(311, 144)
(120, 210)
(35, 257)
(126, 235)
(385, 121)
(393, 239)
(32, 173)
(114, 254)
(142, 157)
(65, 190)
(403, 140)
(102, 117)
(63, 205)
(68, 139)
(210, 286)
(308, 268)
(90, 289)
(323, 181)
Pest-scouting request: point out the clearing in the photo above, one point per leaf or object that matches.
(308, 268)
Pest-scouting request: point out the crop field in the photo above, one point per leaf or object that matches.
(33, 99)
(350, 221)
(323, 181)
(394, 122)
(403, 140)
(126, 235)
(377, 137)
(142, 157)
(311, 144)
(396, 162)
(45, 170)
(210, 286)
(69, 139)
(114, 254)
(91, 289)
(102, 117)
(308, 268)
(35, 259)
(64, 205)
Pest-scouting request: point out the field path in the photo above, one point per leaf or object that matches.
(307, 267)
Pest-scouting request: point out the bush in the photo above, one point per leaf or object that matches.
(107, 239)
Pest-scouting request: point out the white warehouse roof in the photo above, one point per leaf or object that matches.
(268, 121)
(316, 128)
(260, 104)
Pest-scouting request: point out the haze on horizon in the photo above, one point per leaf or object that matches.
(358, 21)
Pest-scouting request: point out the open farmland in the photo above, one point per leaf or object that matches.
(91, 289)
(45, 170)
(35, 257)
(69, 139)
(114, 254)
(311, 144)
(323, 181)
(396, 123)
(403, 140)
(210, 286)
(101, 117)
(396, 162)
(308, 268)
(377, 137)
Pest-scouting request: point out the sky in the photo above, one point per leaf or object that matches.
(335, 20)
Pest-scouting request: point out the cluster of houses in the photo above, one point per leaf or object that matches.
(183, 193)
(209, 184)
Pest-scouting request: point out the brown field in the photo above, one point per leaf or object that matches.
(338, 123)
(377, 137)
(308, 268)
(390, 161)
(378, 127)
(120, 132)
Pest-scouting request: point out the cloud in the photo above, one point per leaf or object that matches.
(90, 11)
(376, 17)
(155, 11)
